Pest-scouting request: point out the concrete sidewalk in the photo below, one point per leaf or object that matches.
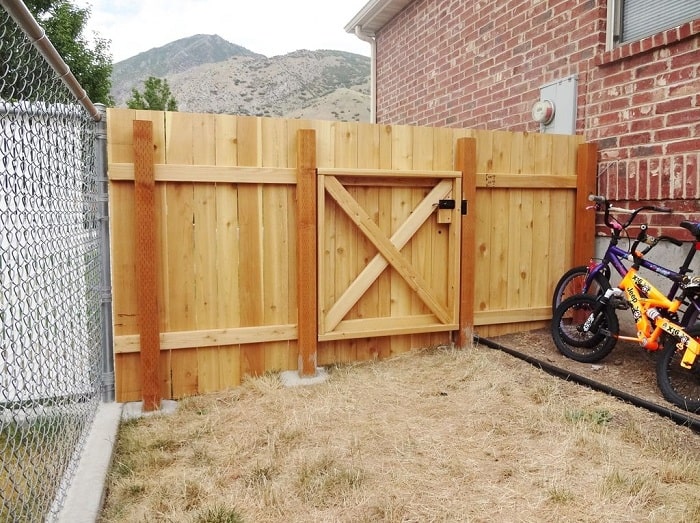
(85, 495)
(84, 498)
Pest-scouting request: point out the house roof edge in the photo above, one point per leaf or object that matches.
(375, 15)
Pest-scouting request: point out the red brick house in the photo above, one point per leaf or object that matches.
(630, 72)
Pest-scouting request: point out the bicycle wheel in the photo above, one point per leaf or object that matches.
(679, 385)
(570, 338)
(572, 282)
(691, 317)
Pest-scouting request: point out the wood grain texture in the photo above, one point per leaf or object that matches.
(232, 251)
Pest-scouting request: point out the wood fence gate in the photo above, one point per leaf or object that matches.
(412, 222)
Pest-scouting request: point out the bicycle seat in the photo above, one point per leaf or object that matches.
(691, 282)
(692, 227)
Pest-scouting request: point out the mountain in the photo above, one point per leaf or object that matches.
(208, 74)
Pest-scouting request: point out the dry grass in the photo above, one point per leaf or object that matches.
(437, 435)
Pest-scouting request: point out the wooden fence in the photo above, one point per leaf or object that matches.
(242, 245)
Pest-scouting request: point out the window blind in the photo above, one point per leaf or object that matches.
(642, 18)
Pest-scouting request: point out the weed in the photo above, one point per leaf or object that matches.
(594, 417)
(260, 476)
(219, 514)
(323, 480)
(560, 495)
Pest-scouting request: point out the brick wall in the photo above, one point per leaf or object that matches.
(480, 64)
(644, 113)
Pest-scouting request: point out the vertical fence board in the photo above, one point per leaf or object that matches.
(276, 274)
(208, 368)
(445, 237)
(230, 366)
(384, 161)
(250, 238)
(499, 235)
(182, 145)
(586, 170)
(401, 293)
(127, 378)
(177, 262)
(146, 269)
(228, 311)
(465, 161)
(542, 228)
(368, 197)
(346, 233)
(307, 252)
(166, 381)
(423, 247)
(204, 217)
(123, 257)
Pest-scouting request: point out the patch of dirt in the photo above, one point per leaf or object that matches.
(628, 368)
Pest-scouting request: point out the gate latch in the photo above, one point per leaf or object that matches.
(450, 205)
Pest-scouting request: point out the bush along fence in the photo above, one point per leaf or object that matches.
(244, 245)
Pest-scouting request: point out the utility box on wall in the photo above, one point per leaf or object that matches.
(556, 109)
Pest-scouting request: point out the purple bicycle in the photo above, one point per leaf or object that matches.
(594, 278)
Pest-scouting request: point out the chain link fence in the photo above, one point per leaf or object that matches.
(51, 280)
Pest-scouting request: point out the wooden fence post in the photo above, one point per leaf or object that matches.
(307, 246)
(146, 275)
(584, 228)
(465, 161)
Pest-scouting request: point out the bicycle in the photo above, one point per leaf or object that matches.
(594, 278)
(586, 328)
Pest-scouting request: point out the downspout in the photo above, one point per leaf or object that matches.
(366, 37)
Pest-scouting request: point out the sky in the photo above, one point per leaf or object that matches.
(268, 27)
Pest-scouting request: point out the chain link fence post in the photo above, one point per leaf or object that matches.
(106, 278)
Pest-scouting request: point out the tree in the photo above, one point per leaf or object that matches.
(64, 24)
(156, 96)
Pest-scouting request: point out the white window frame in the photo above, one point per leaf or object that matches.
(614, 23)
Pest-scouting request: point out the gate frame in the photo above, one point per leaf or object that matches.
(310, 189)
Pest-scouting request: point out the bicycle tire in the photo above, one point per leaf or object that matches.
(586, 347)
(679, 385)
(572, 282)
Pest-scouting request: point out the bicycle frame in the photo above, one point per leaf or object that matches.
(645, 301)
(614, 256)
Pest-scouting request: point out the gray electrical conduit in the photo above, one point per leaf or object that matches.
(24, 19)
(677, 417)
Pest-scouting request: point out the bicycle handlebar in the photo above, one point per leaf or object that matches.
(632, 212)
(674, 241)
(651, 241)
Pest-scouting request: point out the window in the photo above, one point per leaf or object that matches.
(630, 20)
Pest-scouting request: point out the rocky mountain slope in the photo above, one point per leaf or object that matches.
(208, 74)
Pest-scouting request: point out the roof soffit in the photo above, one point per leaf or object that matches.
(375, 15)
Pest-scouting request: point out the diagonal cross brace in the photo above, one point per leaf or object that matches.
(388, 251)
